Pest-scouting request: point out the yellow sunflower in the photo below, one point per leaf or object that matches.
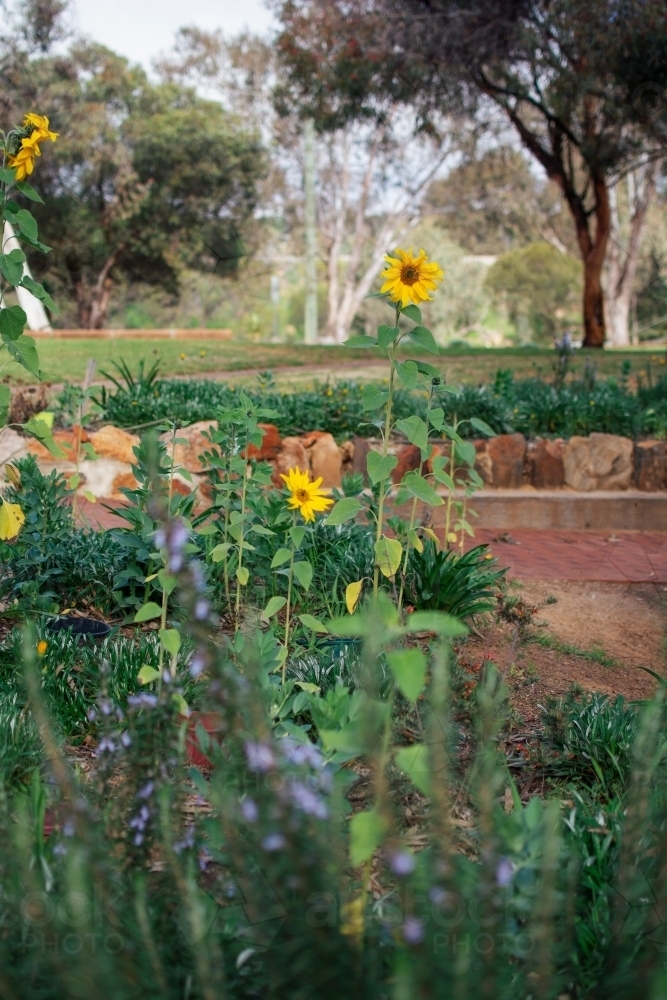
(12, 520)
(24, 160)
(306, 497)
(409, 278)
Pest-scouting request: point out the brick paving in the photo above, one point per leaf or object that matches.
(613, 557)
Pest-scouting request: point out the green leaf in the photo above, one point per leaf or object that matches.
(412, 312)
(352, 595)
(297, 534)
(435, 621)
(220, 552)
(171, 640)
(5, 402)
(167, 580)
(24, 350)
(261, 530)
(422, 489)
(482, 427)
(367, 830)
(148, 611)
(309, 621)
(11, 265)
(373, 398)
(148, 674)
(39, 292)
(282, 556)
(360, 342)
(466, 451)
(345, 510)
(409, 669)
(29, 191)
(27, 223)
(426, 369)
(272, 608)
(41, 430)
(12, 323)
(436, 418)
(7, 176)
(303, 571)
(380, 466)
(388, 553)
(408, 373)
(243, 575)
(415, 763)
(387, 335)
(415, 430)
(420, 335)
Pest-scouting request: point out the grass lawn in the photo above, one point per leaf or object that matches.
(66, 360)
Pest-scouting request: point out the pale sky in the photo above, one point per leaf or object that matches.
(142, 29)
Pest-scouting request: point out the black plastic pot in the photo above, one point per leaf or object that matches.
(84, 628)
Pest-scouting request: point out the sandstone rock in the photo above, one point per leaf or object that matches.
(66, 439)
(291, 455)
(347, 457)
(545, 463)
(409, 458)
(324, 457)
(195, 436)
(101, 474)
(599, 462)
(271, 443)
(650, 463)
(360, 448)
(499, 461)
(112, 442)
(123, 480)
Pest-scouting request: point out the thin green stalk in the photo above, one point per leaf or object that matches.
(289, 598)
(413, 512)
(385, 448)
(242, 527)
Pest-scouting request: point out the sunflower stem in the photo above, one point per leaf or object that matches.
(413, 512)
(242, 527)
(385, 449)
(289, 598)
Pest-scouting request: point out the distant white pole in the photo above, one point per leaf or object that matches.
(310, 312)
(32, 307)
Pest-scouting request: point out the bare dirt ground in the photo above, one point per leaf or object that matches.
(595, 635)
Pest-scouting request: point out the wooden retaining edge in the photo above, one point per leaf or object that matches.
(618, 510)
(169, 334)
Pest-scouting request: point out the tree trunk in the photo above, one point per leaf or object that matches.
(593, 254)
(93, 303)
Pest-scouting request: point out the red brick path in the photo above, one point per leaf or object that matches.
(614, 557)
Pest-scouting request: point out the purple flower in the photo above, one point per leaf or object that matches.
(259, 756)
(160, 538)
(138, 839)
(142, 700)
(197, 664)
(146, 791)
(402, 863)
(68, 828)
(106, 707)
(413, 930)
(204, 859)
(249, 810)
(126, 739)
(60, 850)
(308, 801)
(92, 715)
(202, 608)
(273, 842)
(304, 753)
(106, 745)
(504, 873)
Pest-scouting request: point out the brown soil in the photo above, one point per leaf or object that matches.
(622, 624)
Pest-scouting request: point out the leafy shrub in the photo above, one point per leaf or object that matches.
(443, 580)
(53, 563)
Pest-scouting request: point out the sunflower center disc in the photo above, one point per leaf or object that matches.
(409, 275)
(303, 496)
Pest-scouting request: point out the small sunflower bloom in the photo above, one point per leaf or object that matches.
(42, 647)
(306, 497)
(409, 278)
(12, 520)
(23, 161)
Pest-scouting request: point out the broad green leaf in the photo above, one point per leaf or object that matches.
(373, 398)
(208, 529)
(437, 418)
(41, 430)
(148, 611)
(273, 607)
(24, 350)
(422, 489)
(180, 703)
(420, 335)
(27, 223)
(261, 530)
(242, 575)
(345, 510)
(408, 373)
(282, 556)
(148, 674)
(466, 451)
(220, 552)
(380, 466)
(5, 401)
(435, 621)
(309, 621)
(29, 191)
(167, 580)
(388, 552)
(90, 497)
(171, 640)
(415, 540)
(12, 322)
(360, 342)
(11, 265)
(387, 335)
(297, 534)
(73, 481)
(415, 430)
(7, 176)
(412, 312)
(39, 292)
(352, 595)
(415, 763)
(367, 830)
(303, 571)
(47, 417)
(409, 669)
(402, 496)
(482, 427)
(430, 370)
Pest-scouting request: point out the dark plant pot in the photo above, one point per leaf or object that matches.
(88, 628)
